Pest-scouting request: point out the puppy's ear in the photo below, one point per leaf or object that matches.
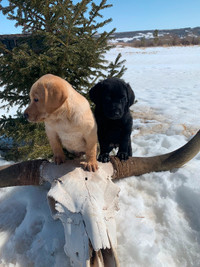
(130, 94)
(95, 93)
(55, 96)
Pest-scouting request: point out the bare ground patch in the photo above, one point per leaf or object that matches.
(147, 121)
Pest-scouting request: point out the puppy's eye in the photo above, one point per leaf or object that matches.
(36, 99)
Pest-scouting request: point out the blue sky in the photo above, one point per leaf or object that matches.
(132, 15)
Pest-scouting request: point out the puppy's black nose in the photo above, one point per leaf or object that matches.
(26, 115)
(117, 113)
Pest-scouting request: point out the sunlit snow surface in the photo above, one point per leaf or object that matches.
(159, 219)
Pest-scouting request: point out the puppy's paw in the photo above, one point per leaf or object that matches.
(104, 157)
(58, 159)
(90, 166)
(122, 155)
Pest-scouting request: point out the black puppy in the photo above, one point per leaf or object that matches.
(113, 97)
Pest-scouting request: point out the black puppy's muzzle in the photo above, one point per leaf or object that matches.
(114, 113)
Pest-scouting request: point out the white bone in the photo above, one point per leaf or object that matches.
(86, 204)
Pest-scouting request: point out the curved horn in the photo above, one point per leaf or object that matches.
(136, 166)
(24, 173)
(28, 172)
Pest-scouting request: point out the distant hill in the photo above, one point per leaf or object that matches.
(185, 36)
(139, 34)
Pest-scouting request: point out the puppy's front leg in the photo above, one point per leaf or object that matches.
(59, 156)
(105, 149)
(124, 147)
(91, 152)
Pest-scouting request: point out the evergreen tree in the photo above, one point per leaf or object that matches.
(62, 38)
(156, 38)
(143, 42)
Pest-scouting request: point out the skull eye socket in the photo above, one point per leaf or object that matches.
(36, 99)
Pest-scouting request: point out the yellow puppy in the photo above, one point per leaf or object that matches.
(67, 116)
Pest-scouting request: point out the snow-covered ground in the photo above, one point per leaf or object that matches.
(148, 35)
(139, 36)
(158, 224)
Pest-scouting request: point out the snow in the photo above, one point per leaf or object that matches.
(158, 224)
(139, 36)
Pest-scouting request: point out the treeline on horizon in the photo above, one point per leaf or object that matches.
(163, 41)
